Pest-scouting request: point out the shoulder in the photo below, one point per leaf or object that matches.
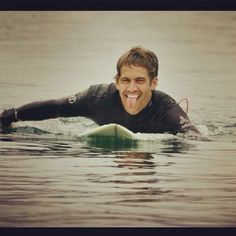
(101, 90)
(161, 98)
(92, 93)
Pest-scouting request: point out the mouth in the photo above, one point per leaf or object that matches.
(132, 96)
(131, 100)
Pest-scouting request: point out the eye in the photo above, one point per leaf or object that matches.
(140, 80)
(124, 80)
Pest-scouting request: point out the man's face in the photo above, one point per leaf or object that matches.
(135, 88)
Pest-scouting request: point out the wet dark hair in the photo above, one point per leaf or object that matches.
(139, 56)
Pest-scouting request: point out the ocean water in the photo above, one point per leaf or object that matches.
(50, 177)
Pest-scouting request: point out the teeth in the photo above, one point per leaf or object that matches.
(132, 96)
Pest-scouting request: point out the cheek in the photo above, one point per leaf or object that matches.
(121, 88)
(147, 89)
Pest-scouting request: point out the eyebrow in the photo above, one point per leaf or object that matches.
(136, 78)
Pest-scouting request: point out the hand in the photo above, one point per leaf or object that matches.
(1, 120)
(193, 135)
(7, 117)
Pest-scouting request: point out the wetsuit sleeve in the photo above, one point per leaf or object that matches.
(178, 120)
(75, 105)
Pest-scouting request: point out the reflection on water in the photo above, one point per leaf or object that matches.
(164, 146)
(34, 145)
(135, 160)
(111, 143)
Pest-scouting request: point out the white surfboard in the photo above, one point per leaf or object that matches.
(110, 130)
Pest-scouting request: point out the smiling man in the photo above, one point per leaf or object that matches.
(132, 101)
(135, 88)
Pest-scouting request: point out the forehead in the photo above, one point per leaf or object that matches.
(133, 71)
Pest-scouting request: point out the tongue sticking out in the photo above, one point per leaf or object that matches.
(131, 101)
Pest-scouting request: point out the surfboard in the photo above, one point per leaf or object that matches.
(110, 130)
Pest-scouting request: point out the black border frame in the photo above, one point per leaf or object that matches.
(124, 5)
(118, 5)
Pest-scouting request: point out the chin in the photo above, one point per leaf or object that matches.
(132, 112)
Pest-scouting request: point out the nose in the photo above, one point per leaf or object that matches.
(132, 86)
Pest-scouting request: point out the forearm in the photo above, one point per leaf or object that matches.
(180, 123)
(34, 111)
(190, 131)
(39, 110)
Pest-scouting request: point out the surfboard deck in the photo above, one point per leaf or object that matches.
(110, 136)
(110, 130)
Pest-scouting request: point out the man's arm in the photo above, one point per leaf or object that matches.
(180, 122)
(74, 105)
(190, 131)
(33, 111)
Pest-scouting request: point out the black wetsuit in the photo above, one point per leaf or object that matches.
(102, 104)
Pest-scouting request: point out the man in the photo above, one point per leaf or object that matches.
(132, 101)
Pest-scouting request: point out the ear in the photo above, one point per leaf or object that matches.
(154, 83)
